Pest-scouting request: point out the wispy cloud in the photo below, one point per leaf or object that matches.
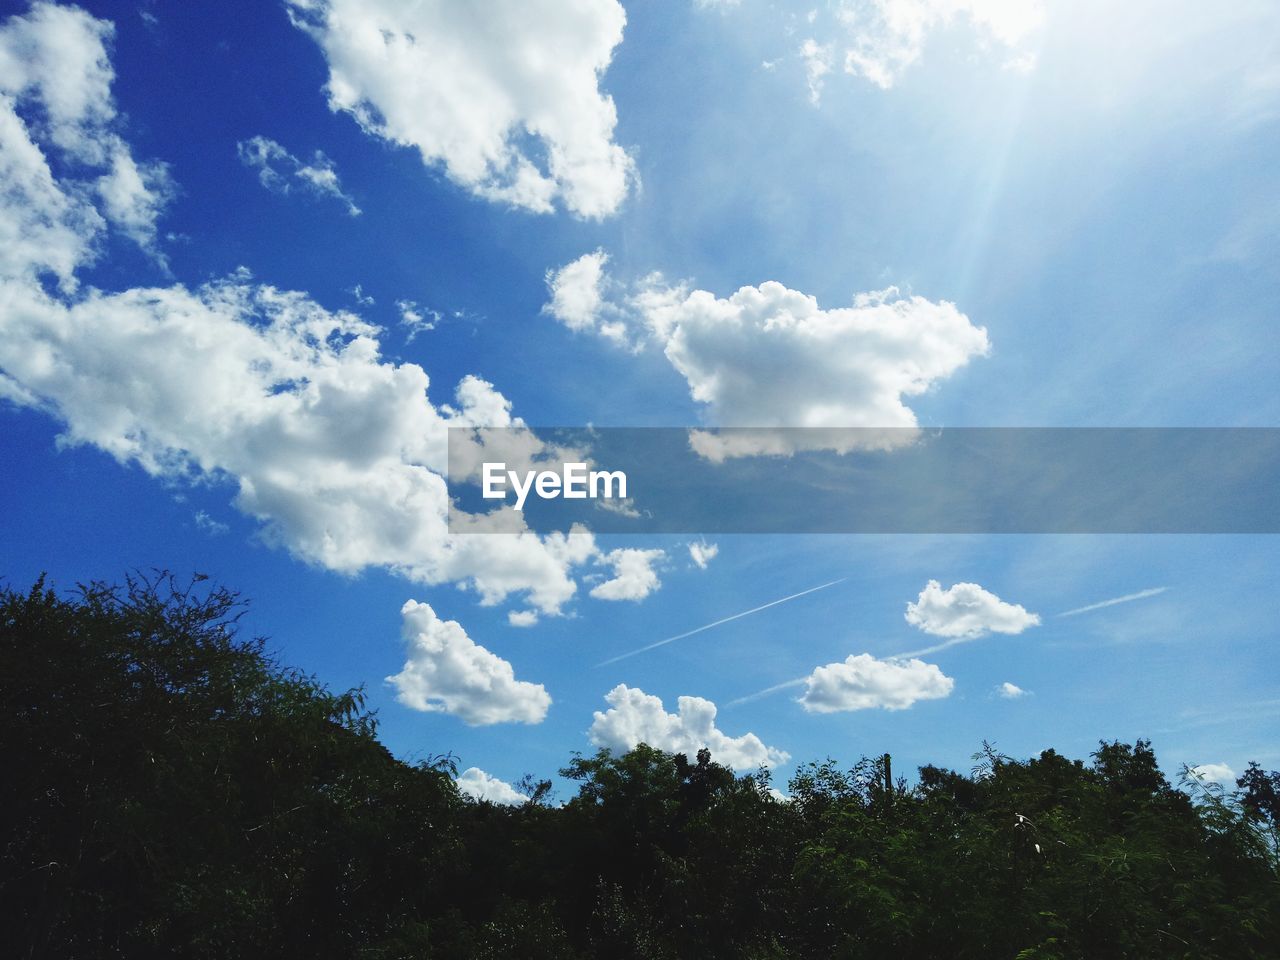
(1127, 598)
(1244, 713)
(708, 626)
(767, 691)
(925, 651)
(281, 172)
(1011, 691)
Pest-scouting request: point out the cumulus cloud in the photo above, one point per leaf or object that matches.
(54, 65)
(702, 553)
(770, 357)
(474, 782)
(965, 611)
(864, 682)
(448, 672)
(471, 86)
(1216, 773)
(523, 618)
(1011, 691)
(338, 453)
(577, 298)
(633, 575)
(636, 717)
(883, 38)
(281, 172)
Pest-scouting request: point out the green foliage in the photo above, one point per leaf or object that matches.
(170, 790)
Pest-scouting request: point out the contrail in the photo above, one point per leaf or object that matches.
(765, 692)
(896, 656)
(736, 616)
(934, 649)
(1140, 595)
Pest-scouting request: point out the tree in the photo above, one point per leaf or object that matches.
(171, 790)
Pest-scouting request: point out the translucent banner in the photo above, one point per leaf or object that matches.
(957, 480)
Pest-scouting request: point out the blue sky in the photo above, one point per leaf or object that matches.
(1097, 191)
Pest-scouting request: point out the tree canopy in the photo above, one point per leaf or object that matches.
(170, 789)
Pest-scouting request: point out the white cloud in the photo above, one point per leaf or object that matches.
(702, 553)
(1216, 773)
(966, 611)
(883, 38)
(635, 717)
(448, 672)
(817, 64)
(863, 682)
(214, 528)
(577, 298)
(575, 291)
(339, 454)
(134, 195)
(522, 618)
(623, 507)
(280, 171)
(1011, 691)
(633, 575)
(474, 782)
(54, 63)
(416, 319)
(771, 357)
(469, 85)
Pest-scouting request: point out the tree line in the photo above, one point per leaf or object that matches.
(169, 789)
